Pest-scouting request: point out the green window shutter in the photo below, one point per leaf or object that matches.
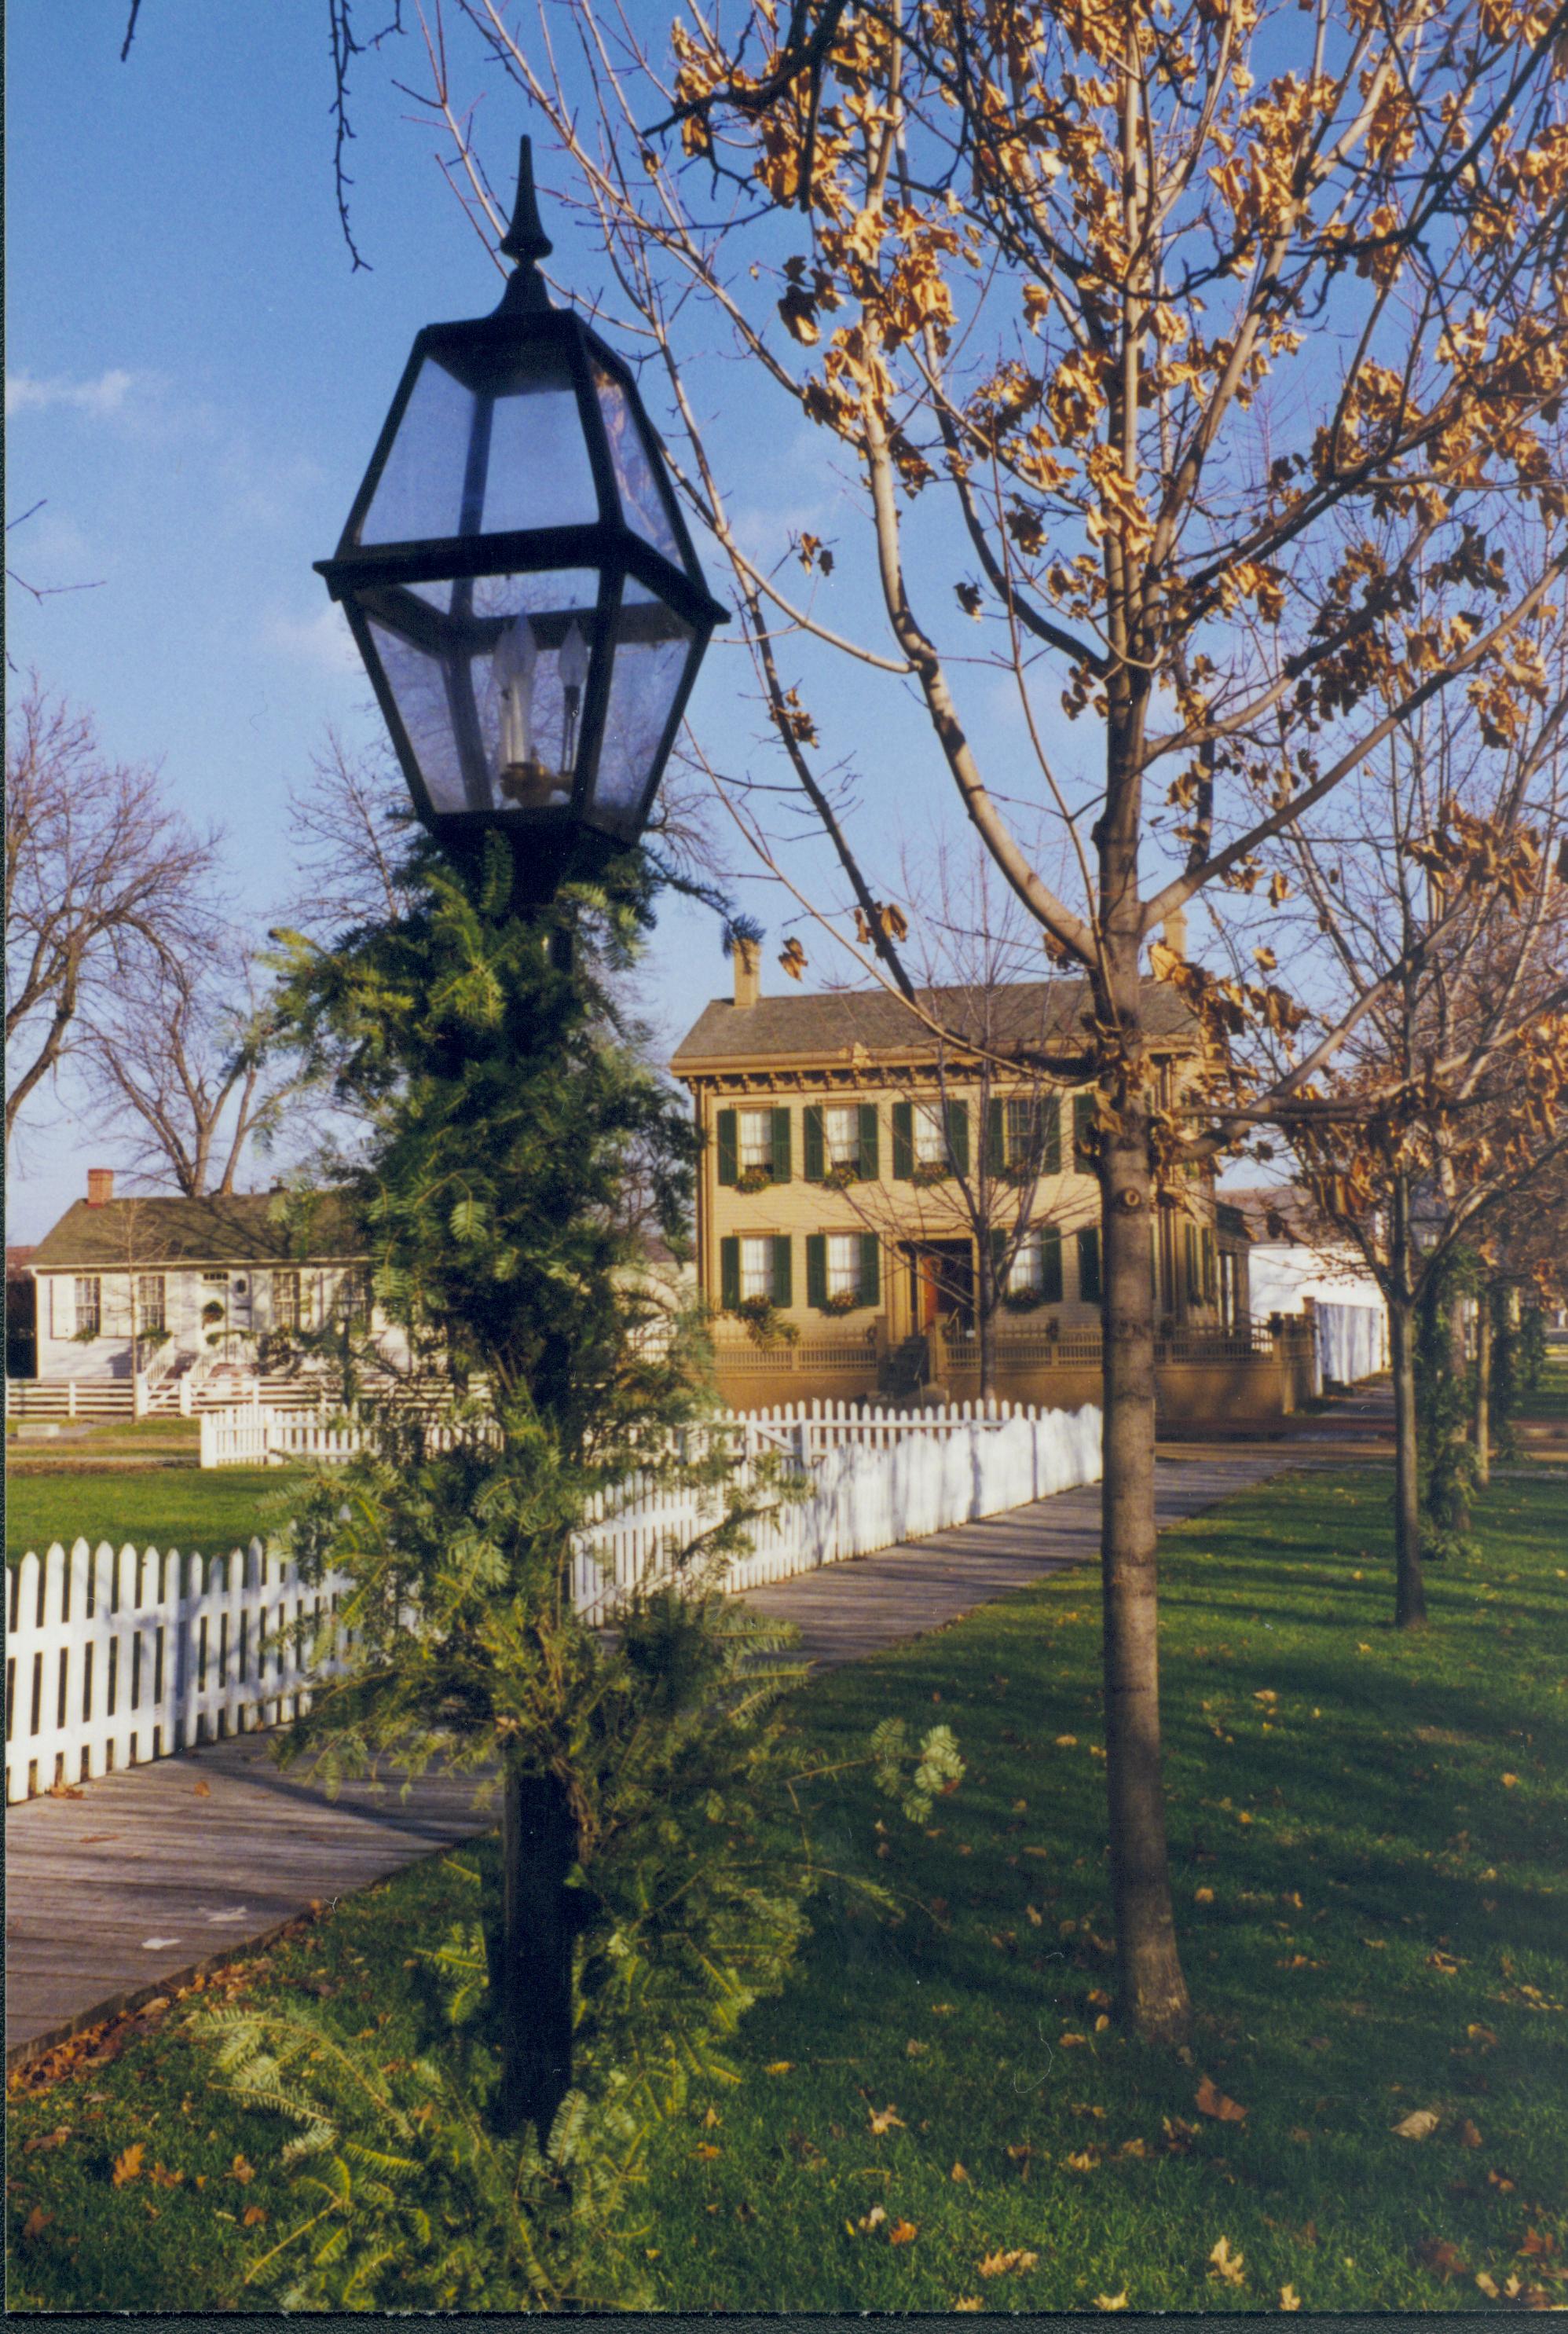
(813, 1146)
(1051, 1264)
(1089, 1264)
(816, 1268)
(728, 1147)
(957, 1121)
(1050, 1135)
(871, 1269)
(996, 1240)
(903, 1142)
(1083, 1132)
(996, 1137)
(1210, 1269)
(780, 1145)
(871, 1146)
(783, 1269)
(729, 1271)
(1191, 1237)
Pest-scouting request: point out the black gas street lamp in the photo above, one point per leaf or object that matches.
(521, 583)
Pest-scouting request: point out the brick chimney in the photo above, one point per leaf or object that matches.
(747, 972)
(1173, 932)
(99, 1186)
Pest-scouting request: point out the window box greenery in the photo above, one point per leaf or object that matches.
(765, 1324)
(842, 1300)
(754, 1179)
(1023, 1300)
(839, 1178)
(929, 1171)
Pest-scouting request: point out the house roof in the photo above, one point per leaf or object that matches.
(141, 1235)
(834, 1025)
(1281, 1215)
(19, 1260)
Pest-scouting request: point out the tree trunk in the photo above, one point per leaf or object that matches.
(1153, 1999)
(532, 1965)
(1483, 1421)
(986, 1315)
(1409, 1596)
(1458, 1367)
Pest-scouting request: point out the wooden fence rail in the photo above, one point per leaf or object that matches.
(113, 1659)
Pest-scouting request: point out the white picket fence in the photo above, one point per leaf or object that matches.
(115, 1659)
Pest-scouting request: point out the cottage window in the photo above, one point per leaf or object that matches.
(285, 1300)
(1025, 1123)
(842, 1135)
(930, 1141)
(755, 1267)
(151, 1311)
(757, 1140)
(89, 1304)
(1027, 1271)
(354, 1299)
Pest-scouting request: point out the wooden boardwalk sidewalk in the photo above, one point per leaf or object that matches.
(160, 1871)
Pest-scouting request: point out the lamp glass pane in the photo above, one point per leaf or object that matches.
(652, 645)
(642, 493)
(492, 690)
(472, 460)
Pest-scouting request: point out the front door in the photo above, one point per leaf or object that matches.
(942, 1283)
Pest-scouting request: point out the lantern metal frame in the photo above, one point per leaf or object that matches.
(373, 581)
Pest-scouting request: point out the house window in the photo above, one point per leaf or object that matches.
(757, 1140)
(930, 1141)
(354, 1299)
(89, 1304)
(150, 1308)
(843, 1255)
(285, 1300)
(1027, 1272)
(842, 1135)
(1025, 1124)
(756, 1264)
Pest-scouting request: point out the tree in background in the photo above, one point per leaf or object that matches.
(102, 879)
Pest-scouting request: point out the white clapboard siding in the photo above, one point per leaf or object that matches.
(115, 1659)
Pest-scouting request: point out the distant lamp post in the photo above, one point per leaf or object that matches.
(520, 581)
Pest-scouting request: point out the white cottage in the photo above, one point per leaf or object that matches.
(1298, 1264)
(158, 1289)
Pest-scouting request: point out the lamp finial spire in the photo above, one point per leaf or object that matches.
(526, 241)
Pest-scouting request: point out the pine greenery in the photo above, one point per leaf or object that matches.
(518, 1149)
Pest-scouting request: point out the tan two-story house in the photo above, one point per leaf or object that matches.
(857, 1152)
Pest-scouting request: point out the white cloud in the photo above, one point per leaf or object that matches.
(323, 641)
(27, 393)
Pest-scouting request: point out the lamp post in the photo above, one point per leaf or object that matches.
(522, 589)
(520, 581)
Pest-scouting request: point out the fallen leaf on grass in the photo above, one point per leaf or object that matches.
(1483, 2035)
(1203, 1895)
(941, 2010)
(1509, 1781)
(242, 2171)
(887, 2119)
(162, 2177)
(1535, 2242)
(998, 2265)
(1112, 2301)
(1441, 2257)
(35, 2224)
(968, 2301)
(957, 2172)
(1488, 2285)
(42, 2139)
(868, 2221)
(1419, 2124)
(1468, 2136)
(705, 2153)
(913, 2049)
(779, 2066)
(252, 2217)
(902, 2233)
(1212, 2101)
(1135, 2148)
(1067, 1742)
(1289, 2298)
(128, 2166)
(1072, 2041)
(1501, 2182)
(1228, 2266)
(1085, 2161)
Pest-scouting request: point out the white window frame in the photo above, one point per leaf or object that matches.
(287, 1300)
(755, 1266)
(753, 1136)
(928, 1132)
(841, 1133)
(151, 1302)
(843, 1264)
(1023, 1129)
(91, 1304)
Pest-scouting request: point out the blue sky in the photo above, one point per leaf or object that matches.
(196, 378)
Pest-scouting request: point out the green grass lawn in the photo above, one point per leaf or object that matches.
(1368, 1834)
(161, 1508)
